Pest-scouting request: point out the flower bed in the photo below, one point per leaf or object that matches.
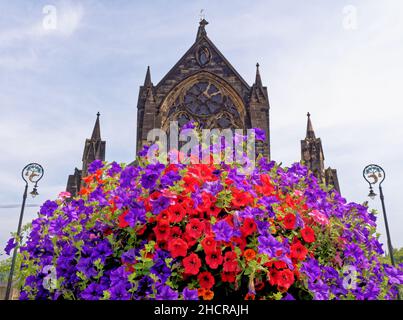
(197, 231)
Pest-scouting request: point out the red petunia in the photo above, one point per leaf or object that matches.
(190, 240)
(266, 188)
(192, 264)
(176, 213)
(178, 248)
(273, 276)
(308, 234)
(298, 251)
(209, 244)
(203, 171)
(122, 221)
(280, 265)
(289, 201)
(214, 259)
(142, 229)
(175, 232)
(241, 198)
(230, 256)
(228, 276)
(259, 285)
(206, 280)
(195, 228)
(208, 207)
(289, 221)
(161, 231)
(190, 183)
(248, 227)
(284, 279)
(230, 262)
(171, 167)
(84, 191)
(240, 242)
(88, 179)
(163, 216)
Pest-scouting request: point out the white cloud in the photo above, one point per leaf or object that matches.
(31, 36)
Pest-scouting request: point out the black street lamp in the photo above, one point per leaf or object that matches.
(374, 174)
(32, 172)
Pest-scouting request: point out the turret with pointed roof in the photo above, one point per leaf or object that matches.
(94, 149)
(313, 157)
(259, 111)
(146, 109)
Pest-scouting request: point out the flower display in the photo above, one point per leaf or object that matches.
(202, 231)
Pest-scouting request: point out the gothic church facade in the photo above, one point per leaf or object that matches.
(203, 86)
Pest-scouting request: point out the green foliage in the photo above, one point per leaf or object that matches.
(4, 269)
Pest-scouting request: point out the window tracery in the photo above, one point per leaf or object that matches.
(207, 104)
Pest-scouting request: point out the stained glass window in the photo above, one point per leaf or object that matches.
(207, 104)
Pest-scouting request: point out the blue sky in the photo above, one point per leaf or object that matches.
(53, 82)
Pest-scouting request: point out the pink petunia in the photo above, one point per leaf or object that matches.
(319, 217)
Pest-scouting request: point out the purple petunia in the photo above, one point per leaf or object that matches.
(260, 134)
(114, 169)
(11, 244)
(102, 250)
(223, 231)
(165, 292)
(118, 275)
(119, 292)
(189, 294)
(94, 166)
(136, 214)
(269, 245)
(149, 179)
(93, 292)
(128, 176)
(48, 208)
(86, 266)
(160, 204)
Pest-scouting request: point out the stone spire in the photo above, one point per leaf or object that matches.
(94, 149)
(313, 157)
(258, 80)
(201, 32)
(147, 81)
(309, 128)
(146, 110)
(259, 113)
(96, 133)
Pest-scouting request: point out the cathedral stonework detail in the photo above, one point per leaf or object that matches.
(204, 87)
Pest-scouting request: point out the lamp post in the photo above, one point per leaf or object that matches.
(374, 175)
(31, 173)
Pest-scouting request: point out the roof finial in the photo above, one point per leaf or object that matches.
(98, 114)
(309, 128)
(258, 80)
(202, 15)
(202, 24)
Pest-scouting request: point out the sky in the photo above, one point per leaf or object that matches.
(339, 60)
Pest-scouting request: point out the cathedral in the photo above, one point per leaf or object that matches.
(203, 86)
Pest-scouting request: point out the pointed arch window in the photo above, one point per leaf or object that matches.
(207, 104)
